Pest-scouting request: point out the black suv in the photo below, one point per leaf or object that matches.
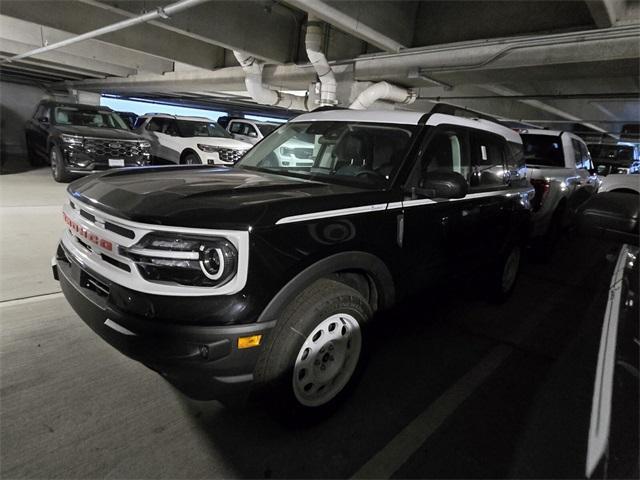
(81, 139)
(262, 277)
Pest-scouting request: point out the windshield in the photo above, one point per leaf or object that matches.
(618, 153)
(543, 150)
(88, 118)
(364, 154)
(191, 128)
(266, 128)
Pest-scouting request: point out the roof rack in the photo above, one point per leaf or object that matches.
(448, 109)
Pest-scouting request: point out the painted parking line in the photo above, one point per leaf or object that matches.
(396, 453)
(32, 299)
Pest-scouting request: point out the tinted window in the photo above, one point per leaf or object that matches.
(237, 127)
(543, 150)
(195, 128)
(487, 160)
(621, 153)
(445, 153)
(266, 128)
(157, 124)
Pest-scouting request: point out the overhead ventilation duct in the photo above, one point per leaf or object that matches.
(262, 94)
(313, 44)
(383, 91)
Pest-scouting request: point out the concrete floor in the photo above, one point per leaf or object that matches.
(446, 393)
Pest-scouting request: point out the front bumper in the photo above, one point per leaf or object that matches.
(201, 361)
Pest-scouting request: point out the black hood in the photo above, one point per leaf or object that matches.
(109, 133)
(206, 197)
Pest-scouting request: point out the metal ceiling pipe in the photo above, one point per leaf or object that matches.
(313, 43)
(160, 12)
(263, 94)
(383, 91)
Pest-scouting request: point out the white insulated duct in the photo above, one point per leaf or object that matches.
(383, 91)
(262, 94)
(313, 44)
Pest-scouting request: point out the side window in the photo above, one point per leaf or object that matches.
(586, 157)
(41, 112)
(156, 124)
(577, 153)
(487, 161)
(446, 152)
(236, 127)
(171, 128)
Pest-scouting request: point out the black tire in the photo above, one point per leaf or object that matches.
(323, 303)
(191, 158)
(505, 274)
(58, 167)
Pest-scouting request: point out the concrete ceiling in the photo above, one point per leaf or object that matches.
(575, 62)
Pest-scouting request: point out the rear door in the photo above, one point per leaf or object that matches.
(487, 220)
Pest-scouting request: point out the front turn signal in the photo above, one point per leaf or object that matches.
(249, 342)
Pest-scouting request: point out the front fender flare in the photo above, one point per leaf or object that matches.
(355, 260)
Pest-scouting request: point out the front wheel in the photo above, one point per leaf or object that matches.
(315, 351)
(191, 159)
(58, 168)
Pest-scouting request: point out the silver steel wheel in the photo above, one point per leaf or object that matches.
(327, 359)
(510, 270)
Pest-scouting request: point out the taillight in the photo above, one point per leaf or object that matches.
(541, 187)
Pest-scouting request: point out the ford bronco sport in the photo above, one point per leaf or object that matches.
(262, 278)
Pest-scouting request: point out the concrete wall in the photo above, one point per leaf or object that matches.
(17, 104)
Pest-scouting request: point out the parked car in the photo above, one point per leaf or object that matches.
(189, 140)
(263, 279)
(81, 139)
(618, 158)
(621, 183)
(559, 167)
(297, 152)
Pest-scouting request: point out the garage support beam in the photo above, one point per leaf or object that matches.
(385, 25)
(268, 33)
(19, 36)
(606, 13)
(78, 18)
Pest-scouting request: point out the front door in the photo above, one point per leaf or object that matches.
(433, 240)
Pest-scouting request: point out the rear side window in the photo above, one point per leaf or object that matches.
(156, 124)
(515, 161)
(543, 150)
(487, 160)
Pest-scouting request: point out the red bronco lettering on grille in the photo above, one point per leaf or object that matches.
(86, 234)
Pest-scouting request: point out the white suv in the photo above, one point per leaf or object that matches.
(295, 153)
(189, 140)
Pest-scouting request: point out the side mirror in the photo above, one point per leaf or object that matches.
(43, 120)
(592, 171)
(443, 185)
(610, 215)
